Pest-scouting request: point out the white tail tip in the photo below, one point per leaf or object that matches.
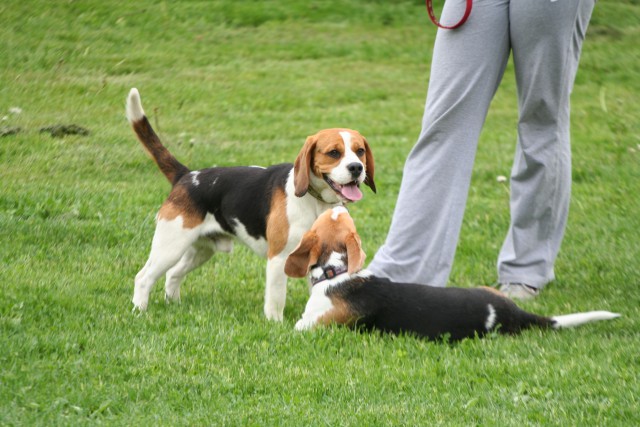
(134, 106)
(576, 319)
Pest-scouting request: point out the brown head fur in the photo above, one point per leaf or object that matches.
(313, 157)
(333, 231)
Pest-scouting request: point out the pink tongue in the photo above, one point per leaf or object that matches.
(351, 192)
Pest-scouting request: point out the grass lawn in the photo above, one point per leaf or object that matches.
(235, 83)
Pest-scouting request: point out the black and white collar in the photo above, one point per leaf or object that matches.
(328, 272)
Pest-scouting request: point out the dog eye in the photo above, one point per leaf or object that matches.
(360, 152)
(334, 154)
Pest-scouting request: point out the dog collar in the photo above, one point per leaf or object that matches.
(314, 193)
(328, 272)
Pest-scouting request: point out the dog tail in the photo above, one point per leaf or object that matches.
(577, 319)
(168, 164)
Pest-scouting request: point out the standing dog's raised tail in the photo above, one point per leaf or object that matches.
(168, 164)
(577, 319)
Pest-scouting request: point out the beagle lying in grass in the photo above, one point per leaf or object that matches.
(268, 209)
(330, 253)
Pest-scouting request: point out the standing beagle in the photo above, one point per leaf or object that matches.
(332, 256)
(268, 209)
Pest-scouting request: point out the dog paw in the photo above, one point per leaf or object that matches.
(274, 314)
(173, 297)
(139, 304)
(137, 310)
(303, 325)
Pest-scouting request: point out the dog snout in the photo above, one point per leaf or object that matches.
(355, 169)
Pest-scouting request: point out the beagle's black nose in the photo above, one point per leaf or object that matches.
(355, 169)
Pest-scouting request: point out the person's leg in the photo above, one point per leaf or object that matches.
(467, 67)
(546, 39)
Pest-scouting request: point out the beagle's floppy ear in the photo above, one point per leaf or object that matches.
(355, 254)
(368, 180)
(298, 261)
(302, 166)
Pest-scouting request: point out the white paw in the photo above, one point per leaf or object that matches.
(138, 309)
(139, 303)
(173, 296)
(274, 314)
(303, 325)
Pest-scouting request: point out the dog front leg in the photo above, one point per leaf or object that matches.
(317, 306)
(276, 290)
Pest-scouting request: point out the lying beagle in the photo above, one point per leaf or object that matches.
(268, 209)
(332, 256)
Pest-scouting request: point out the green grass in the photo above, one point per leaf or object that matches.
(231, 83)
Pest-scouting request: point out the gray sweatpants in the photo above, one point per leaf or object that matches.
(545, 37)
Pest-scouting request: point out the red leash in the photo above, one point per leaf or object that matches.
(432, 15)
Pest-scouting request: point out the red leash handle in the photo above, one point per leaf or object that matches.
(432, 15)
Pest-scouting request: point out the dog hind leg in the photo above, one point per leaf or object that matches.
(194, 257)
(170, 242)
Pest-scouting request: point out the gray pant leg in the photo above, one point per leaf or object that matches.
(467, 67)
(546, 39)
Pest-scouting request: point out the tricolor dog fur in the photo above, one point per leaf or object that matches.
(331, 254)
(268, 209)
